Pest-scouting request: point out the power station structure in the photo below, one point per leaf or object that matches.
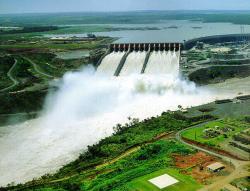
(140, 58)
(154, 58)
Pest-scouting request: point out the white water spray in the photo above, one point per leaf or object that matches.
(163, 62)
(110, 63)
(134, 63)
(84, 110)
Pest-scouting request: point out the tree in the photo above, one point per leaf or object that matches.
(180, 107)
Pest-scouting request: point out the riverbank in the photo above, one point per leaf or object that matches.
(89, 172)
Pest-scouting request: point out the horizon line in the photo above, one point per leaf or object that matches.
(128, 11)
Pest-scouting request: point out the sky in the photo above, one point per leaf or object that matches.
(39, 6)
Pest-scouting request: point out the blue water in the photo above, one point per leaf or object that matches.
(185, 30)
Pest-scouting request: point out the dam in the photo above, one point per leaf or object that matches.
(140, 58)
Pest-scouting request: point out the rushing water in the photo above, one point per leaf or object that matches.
(87, 105)
(83, 111)
(160, 62)
(134, 63)
(163, 62)
(110, 63)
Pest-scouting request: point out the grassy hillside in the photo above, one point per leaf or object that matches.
(122, 161)
(6, 62)
(216, 74)
(28, 63)
(33, 74)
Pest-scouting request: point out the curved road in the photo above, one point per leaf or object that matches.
(37, 69)
(9, 74)
(15, 81)
(240, 167)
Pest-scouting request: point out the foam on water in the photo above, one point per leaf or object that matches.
(110, 63)
(163, 62)
(84, 110)
(88, 105)
(134, 63)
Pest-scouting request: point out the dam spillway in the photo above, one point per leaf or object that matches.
(145, 47)
(110, 63)
(153, 58)
(134, 63)
(163, 62)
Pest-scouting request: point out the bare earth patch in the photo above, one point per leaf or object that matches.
(196, 164)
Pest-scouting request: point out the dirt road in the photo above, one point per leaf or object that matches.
(241, 168)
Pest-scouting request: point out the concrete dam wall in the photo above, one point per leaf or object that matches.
(148, 58)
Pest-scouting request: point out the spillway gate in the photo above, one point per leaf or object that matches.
(125, 59)
(146, 47)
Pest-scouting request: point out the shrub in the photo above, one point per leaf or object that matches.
(149, 151)
(247, 119)
(71, 187)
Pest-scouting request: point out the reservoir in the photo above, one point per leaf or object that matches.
(164, 31)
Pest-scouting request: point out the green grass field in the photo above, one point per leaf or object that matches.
(32, 73)
(197, 134)
(28, 62)
(80, 29)
(60, 30)
(6, 63)
(186, 183)
(128, 173)
(62, 46)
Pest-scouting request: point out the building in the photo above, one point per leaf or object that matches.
(224, 50)
(163, 181)
(215, 167)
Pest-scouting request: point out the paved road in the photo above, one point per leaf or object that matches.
(37, 69)
(241, 168)
(14, 80)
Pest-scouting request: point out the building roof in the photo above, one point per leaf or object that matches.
(215, 166)
(221, 49)
(163, 181)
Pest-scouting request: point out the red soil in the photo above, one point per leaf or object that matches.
(188, 161)
(195, 165)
